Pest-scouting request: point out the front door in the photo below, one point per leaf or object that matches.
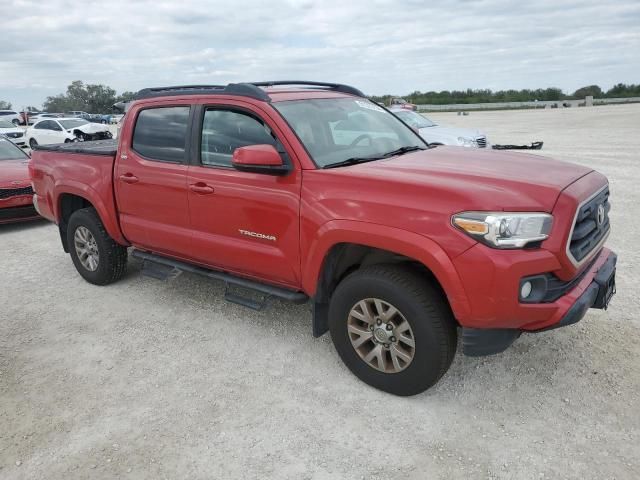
(151, 180)
(246, 223)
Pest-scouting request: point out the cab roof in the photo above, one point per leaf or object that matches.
(280, 90)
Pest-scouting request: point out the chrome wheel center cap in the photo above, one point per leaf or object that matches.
(381, 334)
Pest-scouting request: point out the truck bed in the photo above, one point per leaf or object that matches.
(97, 147)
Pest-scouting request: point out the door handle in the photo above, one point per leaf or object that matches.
(129, 178)
(201, 188)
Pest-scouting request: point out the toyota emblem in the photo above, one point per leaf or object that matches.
(601, 213)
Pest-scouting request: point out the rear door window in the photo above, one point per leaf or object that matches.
(161, 133)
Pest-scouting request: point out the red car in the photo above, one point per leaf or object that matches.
(16, 195)
(311, 192)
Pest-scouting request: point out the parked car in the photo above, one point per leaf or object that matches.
(436, 134)
(10, 116)
(398, 246)
(64, 130)
(35, 117)
(78, 114)
(16, 194)
(100, 118)
(13, 133)
(397, 102)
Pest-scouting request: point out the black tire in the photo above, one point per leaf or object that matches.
(424, 307)
(33, 143)
(112, 263)
(16, 122)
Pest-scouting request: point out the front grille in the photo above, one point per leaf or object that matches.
(482, 142)
(14, 135)
(15, 192)
(591, 226)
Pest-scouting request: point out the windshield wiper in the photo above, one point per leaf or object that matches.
(353, 161)
(402, 151)
(357, 160)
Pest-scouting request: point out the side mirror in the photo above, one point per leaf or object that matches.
(262, 158)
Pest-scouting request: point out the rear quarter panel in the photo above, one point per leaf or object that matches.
(88, 176)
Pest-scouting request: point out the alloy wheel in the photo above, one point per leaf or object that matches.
(381, 335)
(86, 248)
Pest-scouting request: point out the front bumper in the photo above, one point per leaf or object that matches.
(18, 214)
(598, 290)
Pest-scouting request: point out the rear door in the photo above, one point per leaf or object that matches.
(150, 179)
(243, 222)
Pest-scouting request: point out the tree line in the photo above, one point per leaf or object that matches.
(90, 98)
(95, 98)
(526, 95)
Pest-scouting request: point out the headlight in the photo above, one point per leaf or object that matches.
(504, 230)
(467, 142)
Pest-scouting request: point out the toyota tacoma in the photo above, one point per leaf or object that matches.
(310, 192)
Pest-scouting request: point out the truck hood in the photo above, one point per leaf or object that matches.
(14, 173)
(473, 179)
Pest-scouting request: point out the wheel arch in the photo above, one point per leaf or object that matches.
(70, 198)
(343, 246)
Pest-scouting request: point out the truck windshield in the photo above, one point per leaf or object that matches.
(345, 131)
(8, 151)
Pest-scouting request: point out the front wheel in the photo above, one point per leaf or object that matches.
(96, 256)
(392, 328)
(33, 144)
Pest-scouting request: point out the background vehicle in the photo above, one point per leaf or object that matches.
(397, 102)
(16, 195)
(99, 118)
(13, 133)
(64, 130)
(10, 116)
(436, 134)
(78, 114)
(403, 244)
(35, 117)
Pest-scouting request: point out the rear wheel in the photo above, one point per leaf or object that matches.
(96, 256)
(392, 328)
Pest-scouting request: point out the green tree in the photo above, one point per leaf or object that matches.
(593, 90)
(623, 90)
(91, 98)
(5, 105)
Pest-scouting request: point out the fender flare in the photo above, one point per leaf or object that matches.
(403, 242)
(107, 217)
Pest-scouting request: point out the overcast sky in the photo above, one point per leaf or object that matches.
(379, 46)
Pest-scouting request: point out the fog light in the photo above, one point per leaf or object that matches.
(525, 290)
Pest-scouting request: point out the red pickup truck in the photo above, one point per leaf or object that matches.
(312, 193)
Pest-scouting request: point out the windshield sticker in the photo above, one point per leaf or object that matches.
(369, 106)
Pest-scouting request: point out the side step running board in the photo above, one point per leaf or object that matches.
(163, 268)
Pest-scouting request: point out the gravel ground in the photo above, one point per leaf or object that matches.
(146, 379)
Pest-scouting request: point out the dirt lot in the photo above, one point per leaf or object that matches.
(145, 379)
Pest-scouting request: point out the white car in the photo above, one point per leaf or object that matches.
(435, 134)
(64, 130)
(10, 116)
(13, 133)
